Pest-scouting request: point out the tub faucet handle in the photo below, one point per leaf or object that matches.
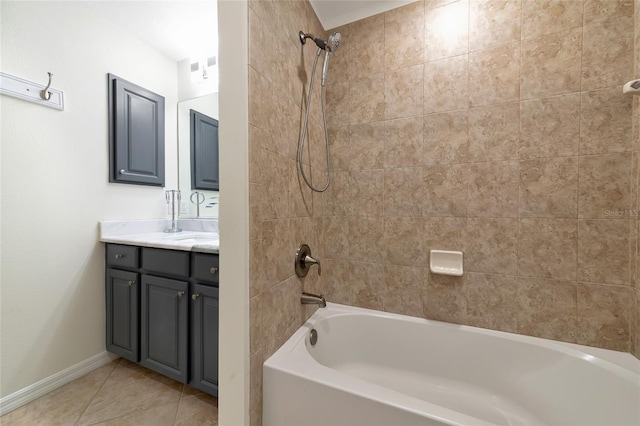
(303, 261)
(311, 261)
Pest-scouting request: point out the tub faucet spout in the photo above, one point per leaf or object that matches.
(312, 299)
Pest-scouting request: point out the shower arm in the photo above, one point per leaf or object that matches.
(317, 40)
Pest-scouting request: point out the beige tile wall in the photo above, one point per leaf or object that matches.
(497, 128)
(284, 212)
(635, 336)
(493, 127)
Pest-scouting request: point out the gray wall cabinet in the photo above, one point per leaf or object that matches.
(136, 134)
(204, 152)
(162, 311)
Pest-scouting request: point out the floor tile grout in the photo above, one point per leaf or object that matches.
(97, 391)
(175, 418)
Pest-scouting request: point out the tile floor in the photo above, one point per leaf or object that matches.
(119, 393)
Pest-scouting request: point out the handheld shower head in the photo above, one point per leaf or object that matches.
(329, 45)
(333, 42)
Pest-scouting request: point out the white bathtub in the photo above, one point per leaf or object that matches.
(374, 368)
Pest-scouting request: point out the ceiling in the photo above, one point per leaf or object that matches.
(334, 13)
(183, 29)
(179, 28)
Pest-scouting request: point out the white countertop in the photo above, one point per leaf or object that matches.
(199, 235)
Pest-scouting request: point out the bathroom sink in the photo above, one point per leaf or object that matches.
(207, 241)
(192, 239)
(195, 236)
(178, 238)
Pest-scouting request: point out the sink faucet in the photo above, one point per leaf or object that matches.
(313, 299)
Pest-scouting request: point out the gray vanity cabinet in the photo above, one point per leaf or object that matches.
(205, 307)
(123, 292)
(164, 326)
(162, 311)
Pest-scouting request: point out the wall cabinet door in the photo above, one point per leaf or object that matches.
(164, 326)
(136, 134)
(123, 290)
(205, 309)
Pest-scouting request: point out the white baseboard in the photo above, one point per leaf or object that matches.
(46, 385)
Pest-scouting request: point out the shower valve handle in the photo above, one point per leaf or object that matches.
(303, 261)
(308, 260)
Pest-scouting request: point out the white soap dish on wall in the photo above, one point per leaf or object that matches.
(446, 262)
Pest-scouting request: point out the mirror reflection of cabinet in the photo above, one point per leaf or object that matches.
(204, 151)
(206, 105)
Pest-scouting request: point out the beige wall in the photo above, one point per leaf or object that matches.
(234, 213)
(55, 186)
(495, 128)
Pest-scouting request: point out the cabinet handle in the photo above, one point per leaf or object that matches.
(122, 171)
(120, 256)
(180, 293)
(213, 270)
(131, 283)
(195, 296)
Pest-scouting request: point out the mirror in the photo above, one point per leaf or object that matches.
(195, 202)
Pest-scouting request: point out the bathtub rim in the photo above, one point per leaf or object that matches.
(621, 364)
(618, 362)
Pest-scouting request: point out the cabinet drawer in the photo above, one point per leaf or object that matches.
(121, 256)
(165, 262)
(206, 267)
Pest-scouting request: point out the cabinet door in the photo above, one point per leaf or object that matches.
(204, 152)
(164, 326)
(204, 338)
(136, 134)
(123, 290)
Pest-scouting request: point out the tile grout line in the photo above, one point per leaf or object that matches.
(175, 418)
(97, 392)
